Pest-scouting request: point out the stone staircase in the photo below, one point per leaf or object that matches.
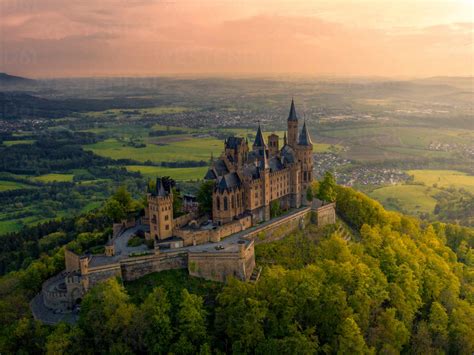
(343, 232)
(256, 274)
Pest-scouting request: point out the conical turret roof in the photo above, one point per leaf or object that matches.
(292, 115)
(304, 138)
(259, 141)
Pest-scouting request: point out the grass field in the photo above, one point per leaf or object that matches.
(444, 178)
(413, 199)
(11, 185)
(54, 177)
(22, 141)
(175, 173)
(381, 142)
(189, 148)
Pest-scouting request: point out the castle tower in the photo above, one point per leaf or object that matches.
(292, 126)
(259, 145)
(160, 209)
(304, 152)
(273, 144)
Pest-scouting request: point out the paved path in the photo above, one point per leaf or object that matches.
(120, 243)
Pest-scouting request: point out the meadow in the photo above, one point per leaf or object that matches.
(179, 174)
(6, 185)
(187, 148)
(54, 178)
(413, 199)
(444, 178)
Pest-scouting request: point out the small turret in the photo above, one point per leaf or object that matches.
(305, 138)
(273, 144)
(259, 145)
(292, 126)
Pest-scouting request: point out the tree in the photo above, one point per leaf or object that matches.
(115, 211)
(327, 188)
(438, 325)
(191, 324)
(123, 197)
(204, 196)
(177, 203)
(350, 339)
(106, 316)
(275, 209)
(60, 340)
(153, 322)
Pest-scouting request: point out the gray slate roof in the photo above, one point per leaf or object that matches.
(228, 181)
(304, 139)
(292, 115)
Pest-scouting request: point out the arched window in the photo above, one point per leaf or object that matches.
(232, 202)
(225, 204)
(218, 203)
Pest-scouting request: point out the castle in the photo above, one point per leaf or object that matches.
(247, 183)
(248, 186)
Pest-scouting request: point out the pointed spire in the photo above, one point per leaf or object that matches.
(284, 139)
(259, 141)
(305, 139)
(292, 115)
(160, 189)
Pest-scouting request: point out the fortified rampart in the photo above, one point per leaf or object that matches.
(219, 265)
(215, 254)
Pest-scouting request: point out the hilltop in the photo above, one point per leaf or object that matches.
(380, 282)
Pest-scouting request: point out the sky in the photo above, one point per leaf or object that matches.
(390, 38)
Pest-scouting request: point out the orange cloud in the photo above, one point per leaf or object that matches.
(153, 37)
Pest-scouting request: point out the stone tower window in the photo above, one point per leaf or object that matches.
(225, 204)
(218, 203)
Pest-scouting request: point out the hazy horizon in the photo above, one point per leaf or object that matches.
(146, 38)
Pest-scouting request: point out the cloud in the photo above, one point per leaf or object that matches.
(119, 37)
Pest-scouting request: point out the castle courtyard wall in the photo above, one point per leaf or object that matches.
(219, 265)
(136, 267)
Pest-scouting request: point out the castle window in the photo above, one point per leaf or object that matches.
(218, 203)
(232, 202)
(167, 227)
(166, 217)
(225, 204)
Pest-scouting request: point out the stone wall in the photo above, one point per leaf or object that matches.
(183, 220)
(200, 236)
(71, 260)
(219, 265)
(136, 267)
(53, 297)
(326, 214)
(98, 274)
(280, 228)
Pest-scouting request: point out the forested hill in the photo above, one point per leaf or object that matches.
(397, 286)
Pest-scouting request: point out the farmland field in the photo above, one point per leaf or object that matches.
(54, 177)
(188, 148)
(11, 185)
(444, 178)
(413, 199)
(179, 174)
(21, 141)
